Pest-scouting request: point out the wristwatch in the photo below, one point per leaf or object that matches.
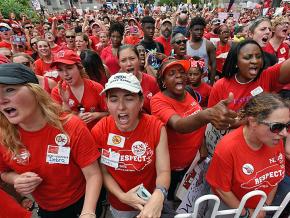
(247, 213)
(163, 190)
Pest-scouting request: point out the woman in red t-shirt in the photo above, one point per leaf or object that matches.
(43, 64)
(184, 117)
(75, 92)
(245, 77)
(251, 157)
(109, 54)
(131, 159)
(222, 48)
(43, 151)
(129, 62)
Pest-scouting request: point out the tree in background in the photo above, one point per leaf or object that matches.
(18, 7)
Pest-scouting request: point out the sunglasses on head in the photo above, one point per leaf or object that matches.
(3, 29)
(72, 37)
(277, 127)
(178, 42)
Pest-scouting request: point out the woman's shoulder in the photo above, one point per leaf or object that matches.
(229, 143)
(93, 84)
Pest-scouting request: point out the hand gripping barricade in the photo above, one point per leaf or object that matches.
(238, 210)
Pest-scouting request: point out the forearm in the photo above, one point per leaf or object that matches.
(193, 122)
(228, 198)
(111, 185)
(93, 188)
(163, 179)
(271, 196)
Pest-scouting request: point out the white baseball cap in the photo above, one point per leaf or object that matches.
(5, 25)
(126, 81)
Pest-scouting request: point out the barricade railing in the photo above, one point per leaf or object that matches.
(237, 211)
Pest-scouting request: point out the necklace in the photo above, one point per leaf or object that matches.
(242, 82)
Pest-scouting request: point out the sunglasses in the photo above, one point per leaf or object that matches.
(72, 37)
(3, 29)
(29, 27)
(178, 42)
(277, 127)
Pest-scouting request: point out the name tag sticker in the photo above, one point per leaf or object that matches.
(57, 154)
(116, 140)
(110, 158)
(257, 91)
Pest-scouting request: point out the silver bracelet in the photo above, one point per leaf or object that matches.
(88, 213)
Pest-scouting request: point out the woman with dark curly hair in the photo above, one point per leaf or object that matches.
(109, 54)
(94, 66)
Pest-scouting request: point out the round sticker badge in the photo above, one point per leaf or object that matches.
(61, 139)
(116, 139)
(138, 148)
(248, 169)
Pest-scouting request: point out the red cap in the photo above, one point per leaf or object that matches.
(66, 57)
(172, 62)
(4, 59)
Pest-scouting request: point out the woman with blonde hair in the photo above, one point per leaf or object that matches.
(44, 151)
(76, 92)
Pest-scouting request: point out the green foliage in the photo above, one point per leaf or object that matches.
(18, 7)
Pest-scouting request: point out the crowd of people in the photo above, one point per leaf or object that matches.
(112, 106)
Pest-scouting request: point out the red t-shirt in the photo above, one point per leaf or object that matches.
(150, 88)
(56, 49)
(253, 170)
(214, 38)
(110, 60)
(136, 163)
(182, 147)
(221, 54)
(204, 90)
(166, 44)
(10, 208)
(132, 40)
(63, 184)
(95, 40)
(282, 52)
(45, 69)
(242, 92)
(92, 101)
(4, 44)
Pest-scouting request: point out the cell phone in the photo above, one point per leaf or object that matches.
(133, 29)
(18, 40)
(143, 193)
(231, 15)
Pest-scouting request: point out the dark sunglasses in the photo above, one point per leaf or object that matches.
(178, 42)
(72, 37)
(29, 27)
(3, 29)
(277, 127)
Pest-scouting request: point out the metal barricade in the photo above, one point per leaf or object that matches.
(237, 212)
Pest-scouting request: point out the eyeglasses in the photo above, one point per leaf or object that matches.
(72, 37)
(4, 29)
(178, 42)
(277, 127)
